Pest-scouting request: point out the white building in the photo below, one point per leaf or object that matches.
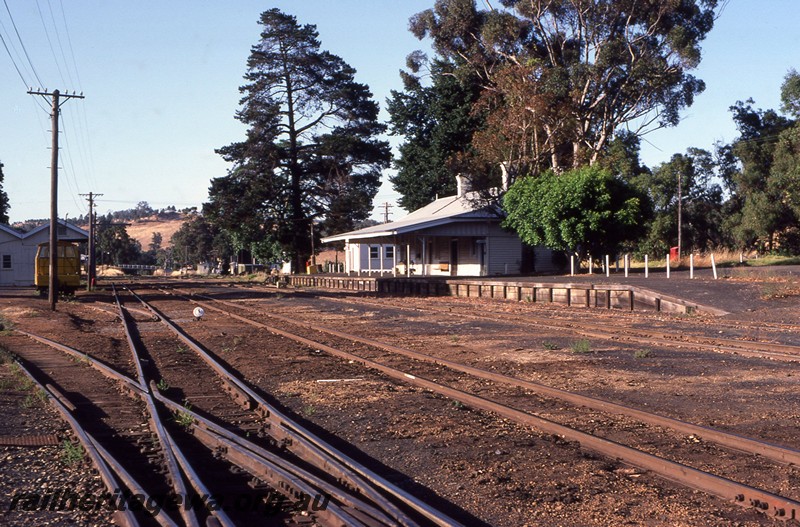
(18, 250)
(449, 237)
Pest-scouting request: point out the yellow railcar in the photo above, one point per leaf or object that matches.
(69, 267)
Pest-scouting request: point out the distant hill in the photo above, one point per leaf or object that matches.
(143, 229)
(143, 221)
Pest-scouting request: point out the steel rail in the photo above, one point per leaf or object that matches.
(271, 462)
(741, 494)
(782, 352)
(130, 482)
(223, 520)
(309, 447)
(129, 384)
(324, 455)
(111, 312)
(259, 455)
(169, 449)
(299, 444)
(94, 362)
(125, 517)
(285, 483)
(778, 453)
(332, 517)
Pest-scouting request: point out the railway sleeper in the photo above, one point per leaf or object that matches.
(237, 470)
(150, 451)
(257, 484)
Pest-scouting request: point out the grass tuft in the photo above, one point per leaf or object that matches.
(184, 419)
(582, 346)
(71, 453)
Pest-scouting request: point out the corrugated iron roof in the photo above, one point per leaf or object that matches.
(450, 209)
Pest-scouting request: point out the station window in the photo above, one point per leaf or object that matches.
(374, 252)
(389, 251)
(6, 261)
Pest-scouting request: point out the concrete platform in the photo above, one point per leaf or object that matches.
(736, 290)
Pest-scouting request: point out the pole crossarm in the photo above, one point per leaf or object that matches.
(61, 95)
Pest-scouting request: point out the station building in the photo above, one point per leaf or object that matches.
(452, 236)
(18, 250)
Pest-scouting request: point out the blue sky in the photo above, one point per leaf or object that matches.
(161, 83)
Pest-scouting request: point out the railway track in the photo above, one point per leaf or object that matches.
(209, 457)
(778, 506)
(304, 443)
(612, 329)
(231, 408)
(748, 339)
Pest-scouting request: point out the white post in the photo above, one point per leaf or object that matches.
(691, 266)
(741, 257)
(608, 267)
(590, 264)
(487, 257)
(382, 256)
(646, 267)
(408, 259)
(667, 265)
(394, 259)
(424, 255)
(572, 265)
(714, 266)
(627, 263)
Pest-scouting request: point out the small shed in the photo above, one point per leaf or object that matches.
(450, 237)
(18, 250)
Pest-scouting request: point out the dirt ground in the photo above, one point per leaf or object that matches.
(481, 469)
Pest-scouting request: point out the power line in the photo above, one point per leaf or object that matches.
(68, 152)
(14, 62)
(21, 43)
(69, 43)
(50, 41)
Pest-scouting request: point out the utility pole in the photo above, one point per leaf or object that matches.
(680, 215)
(52, 284)
(91, 268)
(386, 206)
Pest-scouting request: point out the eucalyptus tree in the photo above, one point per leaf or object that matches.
(686, 196)
(565, 75)
(757, 198)
(785, 171)
(311, 152)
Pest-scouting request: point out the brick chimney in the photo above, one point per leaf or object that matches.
(462, 185)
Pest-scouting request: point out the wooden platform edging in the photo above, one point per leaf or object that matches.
(605, 296)
(350, 283)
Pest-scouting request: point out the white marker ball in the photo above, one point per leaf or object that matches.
(198, 312)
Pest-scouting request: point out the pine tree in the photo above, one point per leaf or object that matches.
(311, 153)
